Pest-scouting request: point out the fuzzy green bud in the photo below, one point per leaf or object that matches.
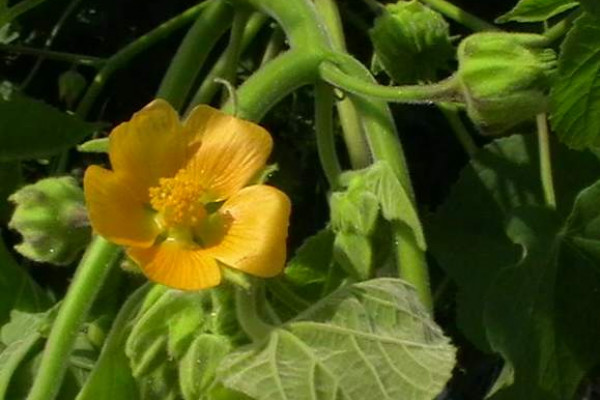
(51, 216)
(411, 41)
(505, 78)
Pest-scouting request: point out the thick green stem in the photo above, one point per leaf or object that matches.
(444, 91)
(545, 160)
(460, 130)
(54, 55)
(459, 15)
(354, 136)
(246, 303)
(97, 261)
(411, 263)
(274, 81)
(325, 137)
(299, 20)
(192, 53)
(122, 57)
(209, 87)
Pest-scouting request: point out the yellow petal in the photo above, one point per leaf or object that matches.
(255, 241)
(150, 146)
(173, 264)
(116, 211)
(231, 153)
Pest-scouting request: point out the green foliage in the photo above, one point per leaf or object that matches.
(411, 41)
(575, 102)
(536, 10)
(467, 234)
(31, 129)
(534, 310)
(369, 340)
(71, 85)
(591, 6)
(17, 289)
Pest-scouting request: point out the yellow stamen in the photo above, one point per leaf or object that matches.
(178, 200)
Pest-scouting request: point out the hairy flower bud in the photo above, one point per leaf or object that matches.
(504, 77)
(51, 216)
(411, 42)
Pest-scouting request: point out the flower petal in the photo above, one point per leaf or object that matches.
(116, 211)
(255, 241)
(173, 264)
(232, 150)
(150, 146)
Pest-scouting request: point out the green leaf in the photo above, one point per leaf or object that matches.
(591, 6)
(394, 200)
(536, 10)
(20, 336)
(11, 178)
(310, 264)
(467, 234)
(17, 289)
(354, 210)
(355, 254)
(370, 340)
(31, 129)
(94, 146)
(165, 330)
(534, 310)
(575, 95)
(112, 378)
(198, 367)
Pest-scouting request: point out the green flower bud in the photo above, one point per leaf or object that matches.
(51, 216)
(411, 41)
(70, 86)
(504, 77)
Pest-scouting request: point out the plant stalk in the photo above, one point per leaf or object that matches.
(100, 256)
(545, 160)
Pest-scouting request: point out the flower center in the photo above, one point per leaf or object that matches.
(178, 200)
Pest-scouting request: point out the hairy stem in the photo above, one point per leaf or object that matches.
(459, 15)
(325, 136)
(97, 261)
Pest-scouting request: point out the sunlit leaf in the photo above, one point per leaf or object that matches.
(370, 340)
(536, 10)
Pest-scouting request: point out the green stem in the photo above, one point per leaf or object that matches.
(545, 160)
(54, 55)
(246, 302)
(561, 28)
(325, 137)
(444, 91)
(193, 51)
(459, 15)
(234, 48)
(274, 46)
(114, 346)
(209, 87)
(459, 128)
(275, 80)
(93, 268)
(354, 136)
(411, 263)
(73, 4)
(299, 20)
(123, 56)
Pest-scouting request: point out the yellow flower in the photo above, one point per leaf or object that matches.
(177, 199)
